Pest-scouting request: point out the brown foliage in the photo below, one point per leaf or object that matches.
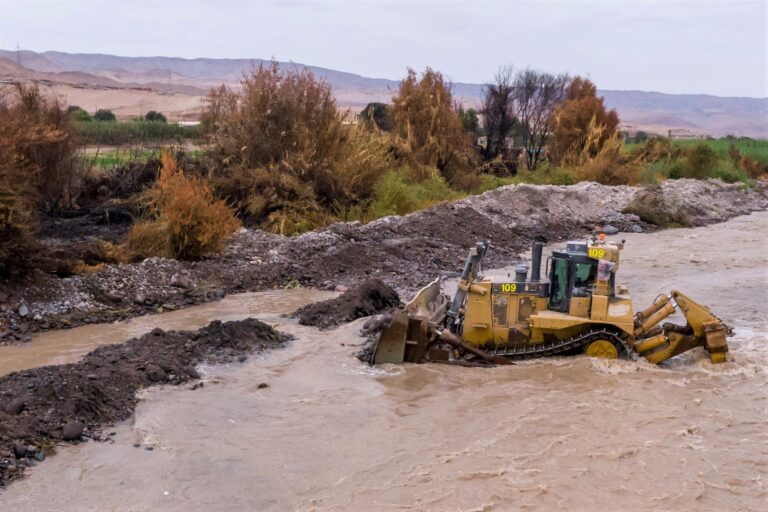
(18, 206)
(582, 124)
(278, 116)
(609, 166)
(657, 149)
(38, 134)
(185, 220)
(753, 167)
(17, 218)
(285, 148)
(428, 129)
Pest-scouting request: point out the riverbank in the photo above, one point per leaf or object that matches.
(404, 252)
(41, 407)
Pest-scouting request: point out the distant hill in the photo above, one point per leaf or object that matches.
(177, 87)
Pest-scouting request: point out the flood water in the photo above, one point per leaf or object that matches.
(557, 434)
(58, 347)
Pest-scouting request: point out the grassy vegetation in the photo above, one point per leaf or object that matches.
(110, 158)
(757, 149)
(115, 133)
(729, 159)
(398, 192)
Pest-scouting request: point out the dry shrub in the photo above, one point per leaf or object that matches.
(609, 166)
(277, 115)
(185, 220)
(429, 132)
(287, 151)
(582, 124)
(273, 198)
(38, 134)
(17, 189)
(81, 257)
(659, 149)
(753, 167)
(17, 220)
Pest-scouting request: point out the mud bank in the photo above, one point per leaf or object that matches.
(42, 407)
(369, 298)
(404, 252)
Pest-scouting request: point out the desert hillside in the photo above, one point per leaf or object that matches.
(131, 86)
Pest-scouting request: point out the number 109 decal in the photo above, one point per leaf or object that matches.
(508, 287)
(596, 252)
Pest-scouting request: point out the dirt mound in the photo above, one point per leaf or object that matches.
(368, 298)
(649, 206)
(43, 406)
(405, 252)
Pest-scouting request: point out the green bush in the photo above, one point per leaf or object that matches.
(490, 182)
(470, 120)
(701, 162)
(546, 174)
(729, 173)
(398, 193)
(78, 115)
(663, 169)
(104, 115)
(155, 116)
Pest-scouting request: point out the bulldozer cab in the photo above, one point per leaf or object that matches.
(572, 273)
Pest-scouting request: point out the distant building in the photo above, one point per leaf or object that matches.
(682, 133)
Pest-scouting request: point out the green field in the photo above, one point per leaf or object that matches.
(757, 149)
(114, 133)
(114, 157)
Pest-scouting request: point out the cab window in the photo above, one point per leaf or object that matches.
(559, 284)
(585, 275)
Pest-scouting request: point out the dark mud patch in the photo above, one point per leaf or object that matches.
(370, 297)
(42, 407)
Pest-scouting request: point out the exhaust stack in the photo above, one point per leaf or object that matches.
(536, 251)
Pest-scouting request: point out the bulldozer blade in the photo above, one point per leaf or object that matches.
(390, 347)
(429, 303)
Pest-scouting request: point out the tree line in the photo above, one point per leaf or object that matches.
(524, 116)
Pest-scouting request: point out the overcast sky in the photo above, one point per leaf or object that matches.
(705, 46)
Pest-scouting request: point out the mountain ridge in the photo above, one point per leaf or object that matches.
(649, 110)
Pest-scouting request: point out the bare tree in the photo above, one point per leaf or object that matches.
(498, 111)
(535, 96)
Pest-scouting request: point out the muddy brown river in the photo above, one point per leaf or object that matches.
(332, 434)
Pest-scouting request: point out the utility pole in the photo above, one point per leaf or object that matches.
(18, 61)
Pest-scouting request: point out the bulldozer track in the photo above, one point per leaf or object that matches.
(558, 347)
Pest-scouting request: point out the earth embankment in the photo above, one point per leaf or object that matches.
(404, 252)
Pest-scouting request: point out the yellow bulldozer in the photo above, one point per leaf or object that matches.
(577, 308)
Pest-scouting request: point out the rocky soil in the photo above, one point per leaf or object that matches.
(368, 298)
(42, 407)
(404, 252)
